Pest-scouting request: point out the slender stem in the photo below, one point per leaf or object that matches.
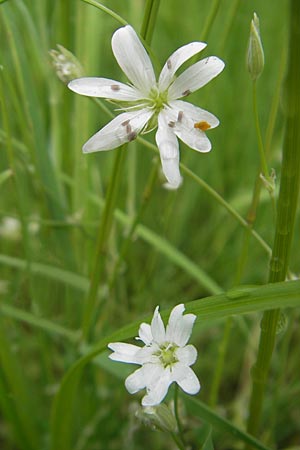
(145, 201)
(103, 234)
(210, 19)
(147, 28)
(217, 376)
(177, 441)
(105, 224)
(262, 154)
(251, 215)
(287, 205)
(176, 412)
(106, 10)
(263, 161)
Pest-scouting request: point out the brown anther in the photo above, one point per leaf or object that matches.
(180, 116)
(125, 123)
(131, 136)
(185, 93)
(169, 64)
(171, 124)
(115, 87)
(128, 129)
(203, 126)
(207, 59)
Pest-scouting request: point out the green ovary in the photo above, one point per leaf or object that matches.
(167, 355)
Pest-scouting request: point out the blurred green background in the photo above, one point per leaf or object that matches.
(52, 199)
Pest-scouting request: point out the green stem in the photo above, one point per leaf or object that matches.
(287, 205)
(145, 201)
(106, 10)
(103, 235)
(217, 376)
(19, 187)
(263, 161)
(177, 441)
(176, 413)
(147, 28)
(210, 19)
(262, 154)
(251, 215)
(106, 221)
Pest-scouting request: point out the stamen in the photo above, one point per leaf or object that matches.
(115, 87)
(125, 123)
(180, 116)
(203, 126)
(169, 64)
(207, 59)
(128, 129)
(171, 124)
(185, 93)
(131, 136)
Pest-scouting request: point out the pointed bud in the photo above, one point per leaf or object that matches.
(255, 53)
(158, 417)
(66, 65)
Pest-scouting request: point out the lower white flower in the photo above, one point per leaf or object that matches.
(165, 357)
(149, 103)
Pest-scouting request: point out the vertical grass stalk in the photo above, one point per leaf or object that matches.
(103, 235)
(287, 205)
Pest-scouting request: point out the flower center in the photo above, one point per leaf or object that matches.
(167, 354)
(157, 99)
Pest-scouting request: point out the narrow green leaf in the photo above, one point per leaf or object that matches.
(199, 409)
(55, 273)
(17, 395)
(37, 322)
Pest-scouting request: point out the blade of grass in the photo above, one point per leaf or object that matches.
(18, 393)
(224, 426)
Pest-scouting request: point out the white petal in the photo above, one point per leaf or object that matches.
(157, 391)
(176, 60)
(104, 88)
(194, 113)
(187, 355)
(136, 381)
(179, 328)
(123, 128)
(133, 58)
(185, 377)
(124, 352)
(145, 333)
(143, 377)
(195, 77)
(157, 327)
(183, 126)
(169, 151)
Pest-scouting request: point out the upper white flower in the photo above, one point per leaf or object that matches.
(165, 358)
(149, 103)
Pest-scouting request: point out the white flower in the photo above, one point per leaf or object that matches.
(165, 358)
(148, 103)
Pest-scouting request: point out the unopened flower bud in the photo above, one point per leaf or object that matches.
(269, 181)
(66, 65)
(160, 417)
(255, 53)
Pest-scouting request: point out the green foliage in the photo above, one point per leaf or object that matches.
(58, 391)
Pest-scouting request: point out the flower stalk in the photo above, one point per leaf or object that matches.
(105, 223)
(287, 206)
